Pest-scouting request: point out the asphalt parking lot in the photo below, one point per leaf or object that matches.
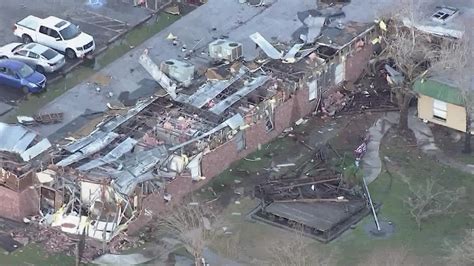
(103, 19)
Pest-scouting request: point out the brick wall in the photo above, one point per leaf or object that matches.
(286, 114)
(16, 205)
(219, 159)
(357, 62)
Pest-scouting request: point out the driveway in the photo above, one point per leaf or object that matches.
(103, 19)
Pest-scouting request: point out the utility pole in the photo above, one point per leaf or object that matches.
(371, 204)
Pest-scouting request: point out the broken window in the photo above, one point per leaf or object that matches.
(440, 110)
(269, 124)
(313, 90)
(444, 14)
(339, 75)
(240, 140)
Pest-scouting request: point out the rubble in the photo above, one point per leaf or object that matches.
(99, 184)
(334, 103)
(313, 196)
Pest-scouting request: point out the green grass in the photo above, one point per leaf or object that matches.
(427, 244)
(34, 255)
(255, 163)
(132, 39)
(355, 246)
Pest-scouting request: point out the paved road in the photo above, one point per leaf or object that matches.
(103, 19)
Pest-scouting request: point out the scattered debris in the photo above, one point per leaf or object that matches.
(51, 118)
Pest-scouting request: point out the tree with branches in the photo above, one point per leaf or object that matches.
(462, 253)
(410, 54)
(429, 200)
(295, 251)
(456, 59)
(408, 51)
(393, 256)
(191, 226)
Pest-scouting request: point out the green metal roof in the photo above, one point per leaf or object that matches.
(439, 91)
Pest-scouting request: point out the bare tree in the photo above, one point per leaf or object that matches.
(410, 51)
(427, 200)
(295, 251)
(463, 253)
(390, 257)
(456, 59)
(191, 226)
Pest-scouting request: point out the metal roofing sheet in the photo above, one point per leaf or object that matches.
(77, 145)
(124, 147)
(220, 107)
(209, 91)
(269, 50)
(88, 150)
(36, 150)
(24, 142)
(439, 91)
(10, 135)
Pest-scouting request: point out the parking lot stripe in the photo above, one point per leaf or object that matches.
(100, 21)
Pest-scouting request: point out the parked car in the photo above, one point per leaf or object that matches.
(39, 57)
(56, 33)
(18, 75)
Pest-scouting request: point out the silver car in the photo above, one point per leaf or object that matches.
(40, 57)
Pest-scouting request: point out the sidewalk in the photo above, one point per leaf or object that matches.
(372, 164)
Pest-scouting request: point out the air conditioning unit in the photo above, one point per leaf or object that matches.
(182, 72)
(225, 50)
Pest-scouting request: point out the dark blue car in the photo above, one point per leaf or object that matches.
(18, 75)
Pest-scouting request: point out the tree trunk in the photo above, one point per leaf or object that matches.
(403, 100)
(467, 135)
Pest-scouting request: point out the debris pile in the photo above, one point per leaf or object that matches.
(54, 241)
(334, 103)
(323, 203)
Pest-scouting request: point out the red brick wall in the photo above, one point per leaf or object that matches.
(16, 205)
(357, 62)
(286, 114)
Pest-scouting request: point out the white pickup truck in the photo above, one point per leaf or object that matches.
(56, 33)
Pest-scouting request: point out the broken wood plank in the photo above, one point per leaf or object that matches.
(313, 200)
(310, 183)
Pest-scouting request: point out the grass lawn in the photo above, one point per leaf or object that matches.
(424, 247)
(427, 244)
(34, 255)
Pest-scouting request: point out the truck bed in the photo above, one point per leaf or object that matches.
(30, 22)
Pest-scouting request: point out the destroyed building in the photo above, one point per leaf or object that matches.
(18, 147)
(218, 101)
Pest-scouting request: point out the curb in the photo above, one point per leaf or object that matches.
(123, 33)
(103, 49)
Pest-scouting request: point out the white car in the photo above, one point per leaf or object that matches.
(40, 57)
(56, 33)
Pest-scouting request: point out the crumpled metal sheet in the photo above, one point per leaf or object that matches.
(267, 47)
(160, 77)
(10, 135)
(293, 51)
(314, 24)
(24, 142)
(223, 105)
(124, 147)
(79, 144)
(36, 150)
(209, 91)
(235, 121)
(91, 148)
(138, 169)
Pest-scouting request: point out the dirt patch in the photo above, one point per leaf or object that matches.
(451, 142)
